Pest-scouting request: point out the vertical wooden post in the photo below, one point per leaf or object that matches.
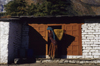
(46, 49)
(46, 40)
(80, 41)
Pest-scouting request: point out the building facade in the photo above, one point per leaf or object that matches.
(82, 39)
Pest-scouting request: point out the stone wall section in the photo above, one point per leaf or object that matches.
(25, 36)
(25, 40)
(4, 32)
(15, 38)
(91, 40)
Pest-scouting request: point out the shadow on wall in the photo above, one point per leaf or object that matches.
(15, 52)
(63, 45)
(28, 58)
(37, 43)
(10, 45)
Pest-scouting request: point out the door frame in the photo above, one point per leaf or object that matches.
(47, 34)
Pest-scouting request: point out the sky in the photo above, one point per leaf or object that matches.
(2, 3)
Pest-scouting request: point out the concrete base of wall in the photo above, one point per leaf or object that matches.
(46, 59)
(58, 60)
(79, 61)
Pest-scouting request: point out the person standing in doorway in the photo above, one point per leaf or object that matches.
(53, 43)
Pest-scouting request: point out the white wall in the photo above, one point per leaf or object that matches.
(4, 32)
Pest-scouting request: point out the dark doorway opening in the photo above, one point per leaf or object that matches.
(56, 27)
